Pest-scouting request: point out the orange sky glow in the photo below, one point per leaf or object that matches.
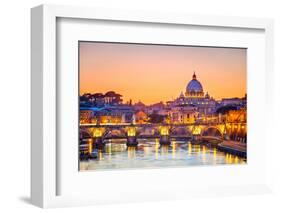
(154, 73)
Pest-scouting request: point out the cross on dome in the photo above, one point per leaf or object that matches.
(194, 75)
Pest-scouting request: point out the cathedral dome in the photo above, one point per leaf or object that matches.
(194, 87)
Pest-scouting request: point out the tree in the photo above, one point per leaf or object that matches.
(156, 118)
(226, 109)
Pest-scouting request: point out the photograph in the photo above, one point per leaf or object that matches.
(147, 105)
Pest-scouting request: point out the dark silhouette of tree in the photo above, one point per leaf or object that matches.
(226, 109)
(156, 118)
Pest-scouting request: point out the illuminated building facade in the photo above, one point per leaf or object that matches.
(183, 114)
(237, 116)
(86, 116)
(106, 115)
(194, 96)
(140, 117)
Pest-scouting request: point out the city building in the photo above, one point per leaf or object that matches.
(195, 96)
(86, 116)
(231, 101)
(237, 116)
(193, 105)
(107, 115)
(141, 117)
(183, 114)
(155, 108)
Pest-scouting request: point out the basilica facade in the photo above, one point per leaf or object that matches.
(195, 97)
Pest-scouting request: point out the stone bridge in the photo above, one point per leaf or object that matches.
(194, 131)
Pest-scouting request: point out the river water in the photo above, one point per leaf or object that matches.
(149, 154)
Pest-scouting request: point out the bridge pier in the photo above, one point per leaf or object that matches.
(131, 137)
(91, 152)
(86, 149)
(165, 140)
(99, 143)
(195, 138)
(132, 141)
(164, 135)
(98, 139)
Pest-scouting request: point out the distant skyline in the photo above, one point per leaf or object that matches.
(154, 73)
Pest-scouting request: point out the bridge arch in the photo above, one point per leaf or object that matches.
(212, 131)
(148, 131)
(84, 133)
(114, 132)
(180, 130)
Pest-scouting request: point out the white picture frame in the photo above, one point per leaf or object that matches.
(44, 150)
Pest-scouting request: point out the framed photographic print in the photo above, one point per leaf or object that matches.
(149, 106)
(139, 108)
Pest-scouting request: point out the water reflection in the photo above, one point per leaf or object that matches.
(157, 145)
(174, 149)
(214, 155)
(189, 148)
(203, 154)
(150, 154)
(100, 154)
(164, 150)
(131, 152)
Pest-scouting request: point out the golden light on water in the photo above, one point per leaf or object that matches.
(100, 155)
(236, 160)
(109, 150)
(203, 149)
(189, 149)
(146, 150)
(174, 149)
(117, 152)
(131, 152)
(156, 148)
(215, 153)
(90, 147)
(228, 158)
(198, 149)
(204, 154)
(164, 150)
(156, 152)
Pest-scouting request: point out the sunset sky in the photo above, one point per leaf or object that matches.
(154, 73)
